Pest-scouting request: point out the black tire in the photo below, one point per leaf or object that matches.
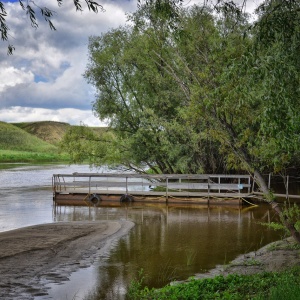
(126, 198)
(94, 199)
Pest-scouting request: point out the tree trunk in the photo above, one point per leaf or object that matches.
(269, 197)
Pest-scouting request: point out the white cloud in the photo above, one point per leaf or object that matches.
(11, 76)
(68, 115)
(43, 79)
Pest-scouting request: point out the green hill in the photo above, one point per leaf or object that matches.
(33, 141)
(14, 138)
(49, 131)
(17, 145)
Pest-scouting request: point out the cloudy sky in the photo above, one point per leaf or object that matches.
(43, 79)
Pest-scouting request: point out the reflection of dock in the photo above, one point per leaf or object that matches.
(93, 188)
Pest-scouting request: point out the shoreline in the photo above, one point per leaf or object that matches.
(274, 257)
(34, 256)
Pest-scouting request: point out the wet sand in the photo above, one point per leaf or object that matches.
(32, 256)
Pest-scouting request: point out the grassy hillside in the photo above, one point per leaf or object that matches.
(34, 141)
(18, 145)
(49, 131)
(14, 138)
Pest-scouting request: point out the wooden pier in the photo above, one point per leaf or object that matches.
(97, 188)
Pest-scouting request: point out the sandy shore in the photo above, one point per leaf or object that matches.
(53, 251)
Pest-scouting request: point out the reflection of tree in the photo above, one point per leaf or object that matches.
(164, 246)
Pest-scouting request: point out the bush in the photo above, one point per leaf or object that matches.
(271, 285)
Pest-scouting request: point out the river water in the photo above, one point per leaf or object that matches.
(168, 242)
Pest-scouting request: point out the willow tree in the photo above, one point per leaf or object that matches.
(180, 87)
(137, 93)
(247, 88)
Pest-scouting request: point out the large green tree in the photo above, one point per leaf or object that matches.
(187, 89)
(250, 92)
(136, 91)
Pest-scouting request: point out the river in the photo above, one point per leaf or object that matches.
(168, 242)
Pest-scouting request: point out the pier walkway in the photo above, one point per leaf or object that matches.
(93, 188)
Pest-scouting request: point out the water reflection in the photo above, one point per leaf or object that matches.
(168, 242)
(172, 242)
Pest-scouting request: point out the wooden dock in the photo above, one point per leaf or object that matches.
(97, 188)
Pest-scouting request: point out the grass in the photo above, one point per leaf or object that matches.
(14, 138)
(262, 286)
(34, 141)
(9, 156)
(17, 145)
(48, 131)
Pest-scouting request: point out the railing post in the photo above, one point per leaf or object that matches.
(208, 187)
(126, 185)
(287, 187)
(269, 181)
(253, 183)
(167, 190)
(89, 184)
(249, 184)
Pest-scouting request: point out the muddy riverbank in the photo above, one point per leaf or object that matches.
(35, 255)
(274, 257)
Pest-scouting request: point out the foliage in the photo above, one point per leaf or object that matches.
(200, 89)
(276, 79)
(291, 215)
(136, 286)
(97, 146)
(257, 286)
(288, 291)
(145, 105)
(274, 225)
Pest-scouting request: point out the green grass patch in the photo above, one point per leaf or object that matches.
(17, 145)
(7, 156)
(269, 285)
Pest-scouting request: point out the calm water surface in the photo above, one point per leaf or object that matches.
(168, 242)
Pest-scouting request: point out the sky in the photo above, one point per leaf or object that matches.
(43, 80)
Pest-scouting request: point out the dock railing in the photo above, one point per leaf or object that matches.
(167, 185)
